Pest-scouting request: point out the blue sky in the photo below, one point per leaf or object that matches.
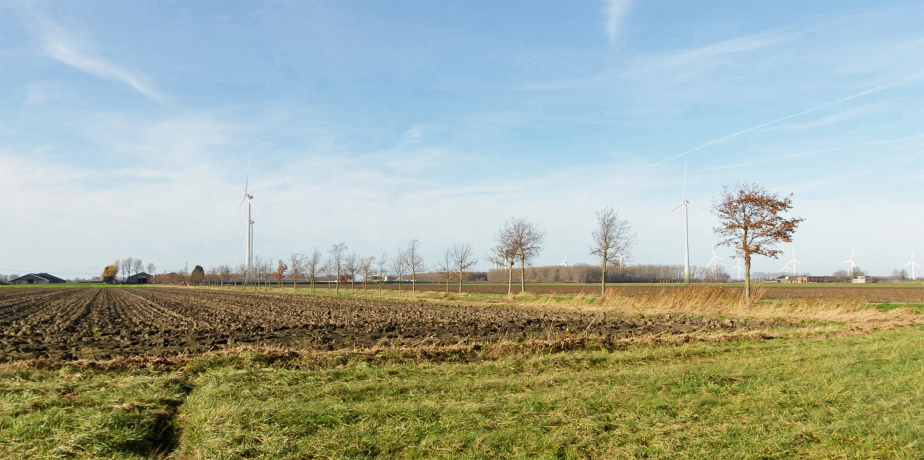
(126, 127)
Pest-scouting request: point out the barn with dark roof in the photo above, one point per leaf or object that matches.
(37, 278)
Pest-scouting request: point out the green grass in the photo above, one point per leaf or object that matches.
(843, 397)
(88, 414)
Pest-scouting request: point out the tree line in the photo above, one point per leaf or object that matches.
(750, 222)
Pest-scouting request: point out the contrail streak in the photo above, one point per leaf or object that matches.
(736, 134)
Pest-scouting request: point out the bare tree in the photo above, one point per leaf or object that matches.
(242, 273)
(337, 253)
(366, 269)
(462, 258)
(350, 268)
(280, 272)
(313, 265)
(415, 262)
(126, 268)
(504, 252)
(296, 268)
(612, 241)
(151, 269)
(383, 262)
(751, 224)
(526, 239)
(137, 266)
(445, 268)
(327, 268)
(225, 274)
(398, 267)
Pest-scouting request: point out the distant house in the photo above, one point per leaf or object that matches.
(37, 278)
(138, 278)
(861, 279)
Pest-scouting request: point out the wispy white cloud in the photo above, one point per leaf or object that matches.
(614, 11)
(787, 117)
(60, 45)
(848, 114)
(778, 158)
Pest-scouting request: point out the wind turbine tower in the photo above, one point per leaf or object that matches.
(565, 263)
(714, 262)
(686, 226)
(739, 268)
(912, 264)
(248, 248)
(853, 266)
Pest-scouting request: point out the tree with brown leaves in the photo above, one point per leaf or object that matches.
(751, 223)
(280, 272)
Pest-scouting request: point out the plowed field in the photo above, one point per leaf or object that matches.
(105, 323)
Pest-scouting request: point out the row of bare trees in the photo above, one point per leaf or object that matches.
(127, 267)
(750, 222)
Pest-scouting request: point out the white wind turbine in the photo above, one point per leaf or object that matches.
(739, 268)
(912, 264)
(714, 261)
(248, 249)
(686, 226)
(785, 269)
(794, 261)
(853, 266)
(565, 263)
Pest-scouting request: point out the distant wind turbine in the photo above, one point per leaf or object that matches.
(794, 260)
(248, 249)
(565, 263)
(686, 226)
(912, 264)
(853, 266)
(739, 268)
(714, 262)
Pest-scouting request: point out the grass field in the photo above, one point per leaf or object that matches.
(854, 396)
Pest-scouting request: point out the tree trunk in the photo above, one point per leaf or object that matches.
(338, 281)
(522, 275)
(399, 285)
(747, 278)
(460, 282)
(509, 279)
(414, 282)
(603, 277)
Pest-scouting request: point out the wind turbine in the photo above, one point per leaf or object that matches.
(739, 268)
(794, 261)
(785, 269)
(248, 250)
(565, 263)
(714, 261)
(912, 264)
(853, 266)
(686, 226)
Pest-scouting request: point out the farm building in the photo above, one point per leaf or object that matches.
(37, 278)
(138, 278)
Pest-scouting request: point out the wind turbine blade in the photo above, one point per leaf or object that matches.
(254, 206)
(235, 208)
(697, 210)
(247, 180)
(668, 212)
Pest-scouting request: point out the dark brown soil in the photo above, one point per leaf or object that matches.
(114, 322)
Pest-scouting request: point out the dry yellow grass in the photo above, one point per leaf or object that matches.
(711, 301)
